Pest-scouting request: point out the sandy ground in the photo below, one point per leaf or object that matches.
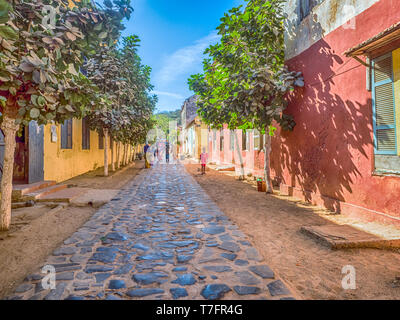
(310, 269)
(37, 231)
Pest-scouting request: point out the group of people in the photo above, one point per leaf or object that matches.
(153, 153)
(156, 152)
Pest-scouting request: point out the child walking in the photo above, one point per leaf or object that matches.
(203, 161)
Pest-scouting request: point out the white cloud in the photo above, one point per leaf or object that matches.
(168, 94)
(184, 60)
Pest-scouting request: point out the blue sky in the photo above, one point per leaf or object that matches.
(174, 35)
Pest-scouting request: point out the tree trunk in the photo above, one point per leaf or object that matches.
(9, 128)
(239, 152)
(112, 155)
(267, 157)
(118, 153)
(124, 156)
(105, 152)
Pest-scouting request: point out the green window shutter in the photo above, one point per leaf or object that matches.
(384, 118)
(101, 140)
(85, 135)
(66, 134)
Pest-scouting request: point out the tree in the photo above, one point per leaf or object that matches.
(124, 82)
(245, 79)
(43, 45)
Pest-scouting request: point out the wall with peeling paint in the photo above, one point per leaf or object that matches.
(328, 159)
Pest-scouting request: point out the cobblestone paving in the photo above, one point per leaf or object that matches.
(161, 237)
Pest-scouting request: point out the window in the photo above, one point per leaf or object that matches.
(232, 140)
(85, 135)
(221, 140)
(258, 140)
(384, 108)
(66, 134)
(386, 111)
(101, 140)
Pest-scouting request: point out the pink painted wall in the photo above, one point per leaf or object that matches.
(328, 158)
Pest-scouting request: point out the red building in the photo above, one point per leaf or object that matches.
(344, 152)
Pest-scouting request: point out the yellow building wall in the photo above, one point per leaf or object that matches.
(63, 164)
(396, 70)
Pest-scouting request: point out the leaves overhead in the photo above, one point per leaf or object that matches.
(245, 80)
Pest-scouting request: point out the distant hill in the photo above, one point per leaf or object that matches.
(172, 115)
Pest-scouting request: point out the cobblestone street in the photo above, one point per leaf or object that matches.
(161, 237)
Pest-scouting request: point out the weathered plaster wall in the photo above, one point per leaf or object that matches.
(63, 164)
(329, 159)
(324, 18)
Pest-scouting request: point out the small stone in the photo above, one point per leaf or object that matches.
(218, 268)
(72, 297)
(141, 246)
(100, 277)
(112, 297)
(65, 276)
(277, 288)
(179, 269)
(64, 251)
(178, 293)
(229, 246)
(213, 230)
(77, 258)
(116, 284)
(124, 269)
(229, 256)
(117, 236)
(183, 258)
(24, 287)
(94, 269)
(252, 254)
(56, 293)
(143, 292)
(185, 280)
(243, 290)
(246, 278)
(263, 271)
(215, 291)
(240, 262)
(33, 277)
(149, 278)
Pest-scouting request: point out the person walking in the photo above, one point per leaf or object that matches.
(146, 160)
(167, 151)
(203, 161)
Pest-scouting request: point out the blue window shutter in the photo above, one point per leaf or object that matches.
(384, 117)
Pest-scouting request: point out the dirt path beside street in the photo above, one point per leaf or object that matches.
(35, 232)
(310, 269)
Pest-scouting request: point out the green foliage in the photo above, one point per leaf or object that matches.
(245, 80)
(40, 66)
(126, 108)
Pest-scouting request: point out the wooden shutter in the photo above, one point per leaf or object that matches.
(221, 140)
(66, 134)
(101, 140)
(85, 135)
(384, 118)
